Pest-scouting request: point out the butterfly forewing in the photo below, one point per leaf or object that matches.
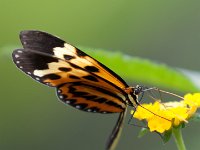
(49, 44)
(53, 62)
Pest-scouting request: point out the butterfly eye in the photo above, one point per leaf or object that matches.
(138, 89)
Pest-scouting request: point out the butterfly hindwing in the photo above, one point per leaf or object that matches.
(90, 98)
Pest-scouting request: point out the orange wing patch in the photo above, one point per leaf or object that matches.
(75, 56)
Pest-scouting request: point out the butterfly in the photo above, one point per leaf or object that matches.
(80, 81)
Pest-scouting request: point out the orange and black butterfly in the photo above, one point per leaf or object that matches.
(80, 81)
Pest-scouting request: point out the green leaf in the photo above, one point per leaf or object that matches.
(145, 71)
(143, 132)
(167, 135)
(195, 117)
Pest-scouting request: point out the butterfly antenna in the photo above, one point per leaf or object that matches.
(166, 92)
(171, 94)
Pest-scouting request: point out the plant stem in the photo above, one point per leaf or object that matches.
(178, 138)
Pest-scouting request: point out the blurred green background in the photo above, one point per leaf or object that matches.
(31, 116)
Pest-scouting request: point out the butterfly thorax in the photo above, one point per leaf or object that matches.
(132, 96)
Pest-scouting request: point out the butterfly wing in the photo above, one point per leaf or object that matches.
(52, 62)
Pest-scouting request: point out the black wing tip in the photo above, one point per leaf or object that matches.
(40, 40)
(30, 32)
(24, 34)
(35, 33)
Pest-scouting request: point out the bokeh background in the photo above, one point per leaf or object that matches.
(31, 117)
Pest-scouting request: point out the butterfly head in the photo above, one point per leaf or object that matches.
(138, 89)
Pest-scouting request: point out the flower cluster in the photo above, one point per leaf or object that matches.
(163, 116)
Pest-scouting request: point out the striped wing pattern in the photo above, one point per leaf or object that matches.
(81, 81)
(90, 98)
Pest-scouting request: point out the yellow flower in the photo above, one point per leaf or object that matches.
(192, 99)
(161, 117)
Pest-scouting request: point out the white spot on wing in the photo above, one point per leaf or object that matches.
(89, 110)
(19, 51)
(78, 106)
(61, 51)
(69, 47)
(53, 68)
(68, 102)
(70, 50)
